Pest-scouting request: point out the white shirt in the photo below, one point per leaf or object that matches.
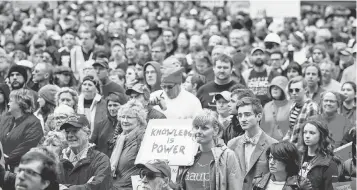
(249, 148)
(333, 86)
(275, 185)
(184, 106)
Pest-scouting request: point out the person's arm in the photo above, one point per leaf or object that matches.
(330, 176)
(32, 136)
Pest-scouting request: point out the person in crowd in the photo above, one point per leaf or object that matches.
(83, 53)
(276, 61)
(141, 93)
(118, 56)
(83, 166)
(203, 66)
(55, 141)
(131, 77)
(222, 104)
(329, 114)
(313, 77)
(301, 110)
(4, 99)
(132, 118)
(67, 96)
(258, 78)
(298, 42)
(158, 52)
(64, 77)
(293, 70)
(183, 43)
(104, 130)
(272, 42)
(318, 54)
(29, 67)
(152, 75)
(236, 39)
(144, 52)
(131, 51)
(348, 108)
(68, 39)
(17, 77)
(155, 174)
(327, 82)
(349, 166)
(193, 82)
(250, 148)
(102, 70)
(139, 68)
(349, 74)
(90, 102)
(222, 68)
(47, 103)
(20, 130)
(283, 169)
(169, 39)
(317, 163)
(174, 101)
(55, 120)
(213, 158)
(275, 120)
(42, 75)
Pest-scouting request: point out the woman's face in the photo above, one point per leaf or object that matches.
(19, 37)
(311, 135)
(292, 73)
(201, 66)
(128, 122)
(113, 108)
(276, 166)
(348, 92)
(88, 89)
(182, 41)
(130, 74)
(203, 134)
(188, 84)
(53, 145)
(13, 106)
(276, 92)
(67, 99)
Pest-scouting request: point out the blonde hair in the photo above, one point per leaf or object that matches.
(25, 99)
(72, 92)
(136, 108)
(208, 117)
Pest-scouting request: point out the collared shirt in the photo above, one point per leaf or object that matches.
(249, 147)
(74, 158)
(315, 96)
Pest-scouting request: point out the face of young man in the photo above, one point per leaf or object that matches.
(247, 118)
(222, 70)
(17, 81)
(28, 176)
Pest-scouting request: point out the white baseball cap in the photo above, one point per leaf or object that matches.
(225, 95)
(25, 63)
(273, 37)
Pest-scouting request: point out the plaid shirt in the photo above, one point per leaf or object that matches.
(309, 109)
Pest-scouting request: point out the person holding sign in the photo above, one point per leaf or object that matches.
(318, 163)
(214, 163)
(132, 118)
(283, 169)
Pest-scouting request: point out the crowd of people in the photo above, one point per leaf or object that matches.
(269, 101)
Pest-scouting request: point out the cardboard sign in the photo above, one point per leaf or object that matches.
(349, 185)
(136, 183)
(344, 152)
(168, 139)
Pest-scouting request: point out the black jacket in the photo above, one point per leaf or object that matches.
(292, 183)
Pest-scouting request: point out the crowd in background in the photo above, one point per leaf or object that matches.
(270, 100)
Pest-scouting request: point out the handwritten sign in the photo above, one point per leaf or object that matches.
(168, 139)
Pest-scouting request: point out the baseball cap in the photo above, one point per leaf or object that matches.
(345, 51)
(78, 121)
(25, 63)
(158, 166)
(102, 62)
(273, 37)
(138, 88)
(256, 49)
(225, 95)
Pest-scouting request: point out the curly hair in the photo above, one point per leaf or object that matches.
(135, 108)
(52, 136)
(25, 99)
(325, 144)
(338, 101)
(208, 117)
(70, 91)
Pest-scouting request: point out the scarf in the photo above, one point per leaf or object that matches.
(114, 159)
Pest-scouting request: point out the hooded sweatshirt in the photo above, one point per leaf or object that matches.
(157, 66)
(275, 121)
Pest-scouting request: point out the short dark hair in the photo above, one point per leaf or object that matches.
(49, 167)
(117, 97)
(241, 93)
(196, 79)
(254, 102)
(287, 153)
(318, 71)
(224, 58)
(295, 66)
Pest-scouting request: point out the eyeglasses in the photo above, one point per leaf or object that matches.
(150, 175)
(28, 172)
(271, 158)
(291, 90)
(167, 86)
(126, 117)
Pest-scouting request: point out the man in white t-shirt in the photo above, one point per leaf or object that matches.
(174, 101)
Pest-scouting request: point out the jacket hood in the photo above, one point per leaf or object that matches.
(281, 82)
(157, 66)
(4, 88)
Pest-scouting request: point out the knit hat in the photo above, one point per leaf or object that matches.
(94, 81)
(18, 68)
(48, 93)
(172, 75)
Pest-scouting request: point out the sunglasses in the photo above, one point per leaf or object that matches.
(150, 175)
(167, 86)
(291, 90)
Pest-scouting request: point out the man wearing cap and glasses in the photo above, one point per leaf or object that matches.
(101, 68)
(349, 74)
(259, 77)
(84, 167)
(222, 105)
(155, 175)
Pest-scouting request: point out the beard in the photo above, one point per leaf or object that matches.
(16, 85)
(259, 62)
